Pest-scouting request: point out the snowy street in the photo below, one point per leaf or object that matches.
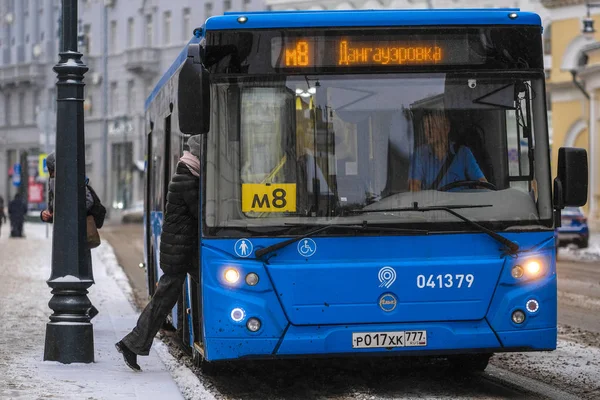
(24, 296)
(573, 371)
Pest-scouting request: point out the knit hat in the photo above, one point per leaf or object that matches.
(51, 162)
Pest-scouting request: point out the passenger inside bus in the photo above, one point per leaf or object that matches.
(440, 161)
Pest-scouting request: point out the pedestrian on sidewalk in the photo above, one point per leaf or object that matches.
(2, 214)
(178, 254)
(17, 209)
(93, 206)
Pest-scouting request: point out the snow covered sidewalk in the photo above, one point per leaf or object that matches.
(25, 266)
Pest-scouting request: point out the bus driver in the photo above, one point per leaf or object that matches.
(439, 162)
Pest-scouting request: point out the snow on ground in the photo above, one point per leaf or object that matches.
(591, 253)
(24, 295)
(572, 366)
(188, 382)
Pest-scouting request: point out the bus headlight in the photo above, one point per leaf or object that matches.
(533, 268)
(517, 271)
(252, 279)
(253, 324)
(518, 317)
(232, 275)
(530, 269)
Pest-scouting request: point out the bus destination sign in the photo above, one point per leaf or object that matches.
(321, 51)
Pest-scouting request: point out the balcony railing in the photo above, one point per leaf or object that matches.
(143, 60)
(22, 73)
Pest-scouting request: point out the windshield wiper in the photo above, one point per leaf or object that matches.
(323, 227)
(513, 247)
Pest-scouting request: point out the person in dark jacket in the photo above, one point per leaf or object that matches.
(47, 215)
(17, 209)
(2, 214)
(178, 255)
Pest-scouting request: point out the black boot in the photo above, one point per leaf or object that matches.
(129, 356)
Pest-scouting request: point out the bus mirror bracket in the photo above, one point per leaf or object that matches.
(193, 94)
(571, 183)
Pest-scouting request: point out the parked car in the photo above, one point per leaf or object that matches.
(574, 228)
(135, 213)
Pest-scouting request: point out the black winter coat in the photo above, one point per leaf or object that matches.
(179, 237)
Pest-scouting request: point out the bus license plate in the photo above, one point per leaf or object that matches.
(362, 340)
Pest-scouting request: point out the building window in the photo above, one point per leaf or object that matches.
(208, 7)
(113, 37)
(247, 3)
(7, 109)
(88, 158)
(22, 108)
(130, 33)
(26, 8)
(122, 176)
(130, 97)
(87, 38)
(149, 30)
(187, 30)
(167, 27)
(40, 6)
(88, 106)
(114, 98)
(547, 39)
(36, 105)
(226, 5)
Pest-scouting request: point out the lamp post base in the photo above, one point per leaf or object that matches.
(69, 342)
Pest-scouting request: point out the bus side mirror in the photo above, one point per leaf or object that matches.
(193, 94)
(571, 184)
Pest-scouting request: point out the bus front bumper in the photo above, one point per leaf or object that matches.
(442, 338)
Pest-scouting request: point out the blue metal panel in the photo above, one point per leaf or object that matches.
(513, 294)
(291, 282)
(227, 349)
(348, 292)
(372, 18)
(338, 339)
(535, 339)
(219, 298)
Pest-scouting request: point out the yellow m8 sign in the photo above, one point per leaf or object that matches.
(269, 197)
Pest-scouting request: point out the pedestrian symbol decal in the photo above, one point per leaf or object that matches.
(307, 247)
(243, 248)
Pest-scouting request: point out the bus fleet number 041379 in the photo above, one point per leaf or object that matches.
(445, 281)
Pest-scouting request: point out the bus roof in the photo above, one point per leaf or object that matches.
(372, 18)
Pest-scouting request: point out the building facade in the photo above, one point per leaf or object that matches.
(526, 5)
(142, 38)
(573, 86)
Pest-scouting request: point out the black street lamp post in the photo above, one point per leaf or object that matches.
(69, 334)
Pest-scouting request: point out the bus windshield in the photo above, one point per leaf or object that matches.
(304, 149)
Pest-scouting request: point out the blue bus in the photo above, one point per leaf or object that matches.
(373, 183)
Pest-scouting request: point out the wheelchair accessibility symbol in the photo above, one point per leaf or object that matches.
(307, 247)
